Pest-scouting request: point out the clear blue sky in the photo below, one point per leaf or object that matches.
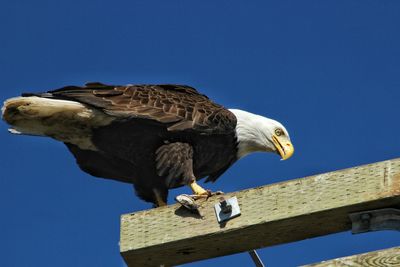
(329, 70)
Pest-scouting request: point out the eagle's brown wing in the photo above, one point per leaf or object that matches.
(182, 107)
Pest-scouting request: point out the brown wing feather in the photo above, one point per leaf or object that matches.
(180, 105)
(175, 163)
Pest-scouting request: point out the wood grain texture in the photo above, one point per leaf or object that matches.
(381, 258)
(274, 214)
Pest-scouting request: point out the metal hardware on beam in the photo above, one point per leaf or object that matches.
(375, 220)
(227, 209)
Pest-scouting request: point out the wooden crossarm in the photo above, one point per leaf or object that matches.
(386, 257)
(273, 214)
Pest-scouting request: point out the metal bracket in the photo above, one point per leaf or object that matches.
(227, 209)
(375, 220)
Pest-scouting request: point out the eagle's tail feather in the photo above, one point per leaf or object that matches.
(60, 119)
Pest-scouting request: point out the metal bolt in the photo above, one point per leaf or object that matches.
(225, 206)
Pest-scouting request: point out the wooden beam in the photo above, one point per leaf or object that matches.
(274, 214)
(386, 257)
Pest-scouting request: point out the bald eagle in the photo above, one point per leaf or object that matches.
(156, 137)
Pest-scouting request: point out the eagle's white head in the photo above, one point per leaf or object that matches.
(258, 133)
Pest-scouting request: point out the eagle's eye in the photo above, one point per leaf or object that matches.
(278, 132)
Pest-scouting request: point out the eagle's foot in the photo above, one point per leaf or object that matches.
(206, 196)
(199, 192)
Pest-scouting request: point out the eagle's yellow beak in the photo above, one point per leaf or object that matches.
(283, 145)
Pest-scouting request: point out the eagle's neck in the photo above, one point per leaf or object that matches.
(252, 133)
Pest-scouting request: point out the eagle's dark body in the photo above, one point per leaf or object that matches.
(161, 136)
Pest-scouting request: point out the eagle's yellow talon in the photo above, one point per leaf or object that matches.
(198, 190)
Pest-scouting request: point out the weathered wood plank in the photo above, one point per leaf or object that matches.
(386, 257)
(274, 214)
